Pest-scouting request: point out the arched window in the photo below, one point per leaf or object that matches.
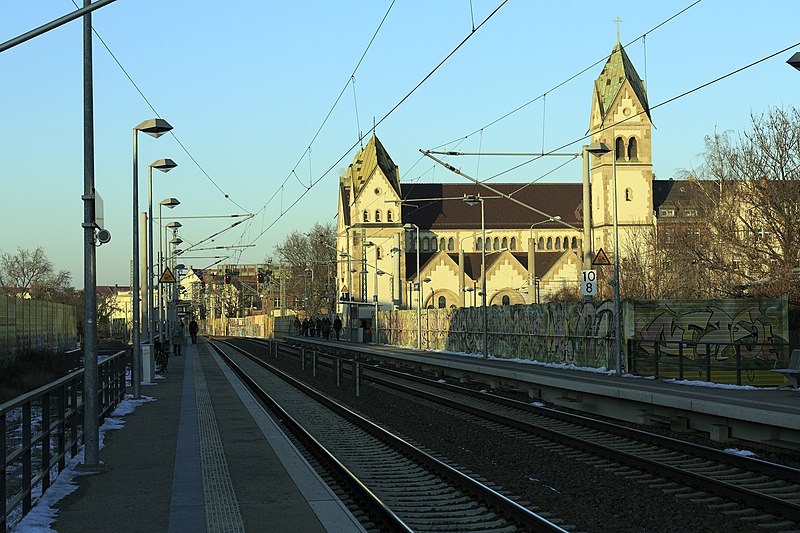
(541, 243)
(425, 244)
(632, 155)
(451, 244)
(620, 151)
(513, 243)
(496, 244)
(377, 216)
(566, 243)
(628, 195)
(504, 244)
(441, 244)
(574, 243)
(478, 244)
(549, 243)
(389, 216)
(378, 253)
(558, 243)
(442, 302)
(506, 300)
(366, 215)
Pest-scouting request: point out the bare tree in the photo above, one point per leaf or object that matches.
(31, 273)
(309, 264)
(750, 201)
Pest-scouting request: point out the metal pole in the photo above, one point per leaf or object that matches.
(587, 211)
(617, 339)
(91, 414)
(375, 296)
(136, 371)
(419, 298)
(483, 284)
(150, 275)
(161, 325)
(83, 12)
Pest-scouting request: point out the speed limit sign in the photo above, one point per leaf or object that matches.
(588, 282)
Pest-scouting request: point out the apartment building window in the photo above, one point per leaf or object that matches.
(666, 212)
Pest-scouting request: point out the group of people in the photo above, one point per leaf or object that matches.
(318, 327)
(177, 337)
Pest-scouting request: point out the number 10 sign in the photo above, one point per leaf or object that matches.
(588, 282)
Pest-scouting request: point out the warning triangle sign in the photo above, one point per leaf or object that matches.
(600, 258)
(167, 276)
(345, 289)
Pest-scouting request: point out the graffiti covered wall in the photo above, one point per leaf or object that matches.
(760, 326)
(582, 333)
(579, 333)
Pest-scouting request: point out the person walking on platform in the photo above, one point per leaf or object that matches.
(305, 327)
(337, 326)
(193, 330)
(177, 337)
(326, 328)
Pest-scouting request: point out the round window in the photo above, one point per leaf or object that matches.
(377, 191)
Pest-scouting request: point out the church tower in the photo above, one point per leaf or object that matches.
(621, 119)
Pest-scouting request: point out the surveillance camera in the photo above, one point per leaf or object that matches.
(103, 236)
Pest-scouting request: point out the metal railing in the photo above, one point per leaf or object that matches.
(39, 429)
(663, 358)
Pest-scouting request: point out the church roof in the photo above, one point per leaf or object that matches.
(555, 199)
(472, 262)
(368, 158)
(617, 69)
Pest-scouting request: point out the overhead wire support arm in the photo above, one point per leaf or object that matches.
(453, 169)
(516, 154)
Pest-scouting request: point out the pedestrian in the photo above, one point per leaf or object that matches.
(326, 328)
(305, 327)
(193, 330)
(337, 326)
(177, 338)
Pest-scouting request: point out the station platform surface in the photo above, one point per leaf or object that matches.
(201, 457)
(779, 408)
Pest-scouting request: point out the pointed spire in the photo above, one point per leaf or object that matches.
(617, 69)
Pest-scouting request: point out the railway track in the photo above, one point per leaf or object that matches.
(401, 487)
(760, 492)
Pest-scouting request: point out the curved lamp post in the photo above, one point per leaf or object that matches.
(162, 303)
(533, 296)
(155, 127)
(475, 200)
(419, 288)
(164, 165)
(598, 150)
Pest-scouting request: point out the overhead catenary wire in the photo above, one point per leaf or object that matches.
(385, 116)
(153, 109)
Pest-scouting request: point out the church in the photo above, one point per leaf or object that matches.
(403, 246)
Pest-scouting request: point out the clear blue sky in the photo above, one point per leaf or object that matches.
(246, 85)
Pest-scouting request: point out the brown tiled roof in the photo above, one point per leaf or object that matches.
(556, 199)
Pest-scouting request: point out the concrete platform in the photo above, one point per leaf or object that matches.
(764, 415)
(202, 457)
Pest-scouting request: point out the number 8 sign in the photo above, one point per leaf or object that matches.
(588, 282)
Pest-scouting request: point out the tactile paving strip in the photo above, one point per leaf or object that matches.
(222, 508)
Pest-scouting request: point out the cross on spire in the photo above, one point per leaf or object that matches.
(617, 21)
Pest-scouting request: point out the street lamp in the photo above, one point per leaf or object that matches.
(155, 127)
(409, 227)
(598, 150)
(532, 294)
(473, 200)
(170, 203)
(795, 60)
(164, 165)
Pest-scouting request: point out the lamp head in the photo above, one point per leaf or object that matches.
(795, 60)
(170, 202)
(598, 149)
(472, 199)
(174, 225)
(155, 127)
(164, 165)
